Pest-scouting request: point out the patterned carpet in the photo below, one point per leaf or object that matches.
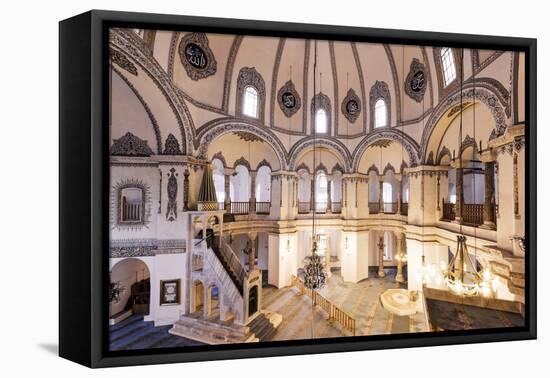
(135, 333)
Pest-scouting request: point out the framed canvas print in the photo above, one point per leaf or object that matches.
(235, 188)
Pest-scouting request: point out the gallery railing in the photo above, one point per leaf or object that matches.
(131, 212)
(336, 207)
(334, 312)
(472, 213)
(263, 207)
(449, 213)
(404, 208)
(304, 207)
(374, 207)
(240, 208)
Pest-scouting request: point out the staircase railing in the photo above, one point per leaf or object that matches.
(232, 261)
(334, 312)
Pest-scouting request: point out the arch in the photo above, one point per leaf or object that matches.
(197, 296)
(218, 176)
(393, 134)
(444, 152)
(388, 168)
(142, 57)
(308, 142)
(482, 95)
(379, 91)
(132, 277)
(219, 127)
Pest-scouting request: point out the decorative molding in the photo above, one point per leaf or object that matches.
(458, 108)
(274, 77)
(124, 248)
(229, 71)
(289, 99)
(416, 81)
(130, 145)
(306, 87)
(116, 205)
(388, 168)
(403, 166)
(248, 76)
(172, 53)
(395, 78)
(122, 61)
(480, 66)
(467, 142)
(172, 190)
(172, 146)
(308, 142)
(382, 143)
(379, 90)
(393, 134)
(321, 101)
(361, 85)
(242, 161)
(334, 86)
(374, 169)
(219, 127)
(264, 163)
(321, 167)
(196, 56)
(351, 106)
(248, 137)
(430, 159)
(303, 166)
(218, 155)
(337, 168)
(442, 153)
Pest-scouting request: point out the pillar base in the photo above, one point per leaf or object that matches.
(488, 225)
(399, 278)
(381, 273)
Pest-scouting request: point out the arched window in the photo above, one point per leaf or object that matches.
(219, 179)
(448, 65)
(321, 121)
(250, 102)
(387, 197)
(239, 187)
(321, 193)
(380, 113)
(263, 184)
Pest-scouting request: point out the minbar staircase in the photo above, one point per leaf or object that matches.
(262, 328)
(229, 261)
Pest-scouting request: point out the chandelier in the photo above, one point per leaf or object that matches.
(462, 276)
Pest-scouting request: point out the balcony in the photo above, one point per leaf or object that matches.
(472, 213)
(263, 208)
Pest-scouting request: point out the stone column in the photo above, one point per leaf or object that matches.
(226, 182)
(252, 253)
(459, 195)
(489, 206)
(381, 272)
(400, 258)
(329, 196)
(252, 208)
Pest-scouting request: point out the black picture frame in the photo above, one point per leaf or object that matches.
(168, 298)
(84, 187)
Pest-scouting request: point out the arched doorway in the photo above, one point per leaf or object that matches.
(213, 302)
(130, 287)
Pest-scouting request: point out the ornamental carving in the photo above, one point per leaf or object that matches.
(337, 168)
(416, 81)
(264, 163)
(301, 167)
(172, 146)
(130, 145)
(351, 106)
(172, 190)
(116, 204)
(122, 61)
(388, 168)
(468, 142)
(248, 137)
(242, 161)
(444, 152)
(321, 167)
(289, 99)
(457, 108)
(380, 90)
(218, 155)
(249, 77)
(196, 56)
(430, 159)
(374, 169)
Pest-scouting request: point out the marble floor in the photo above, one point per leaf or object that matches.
(360, 300)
